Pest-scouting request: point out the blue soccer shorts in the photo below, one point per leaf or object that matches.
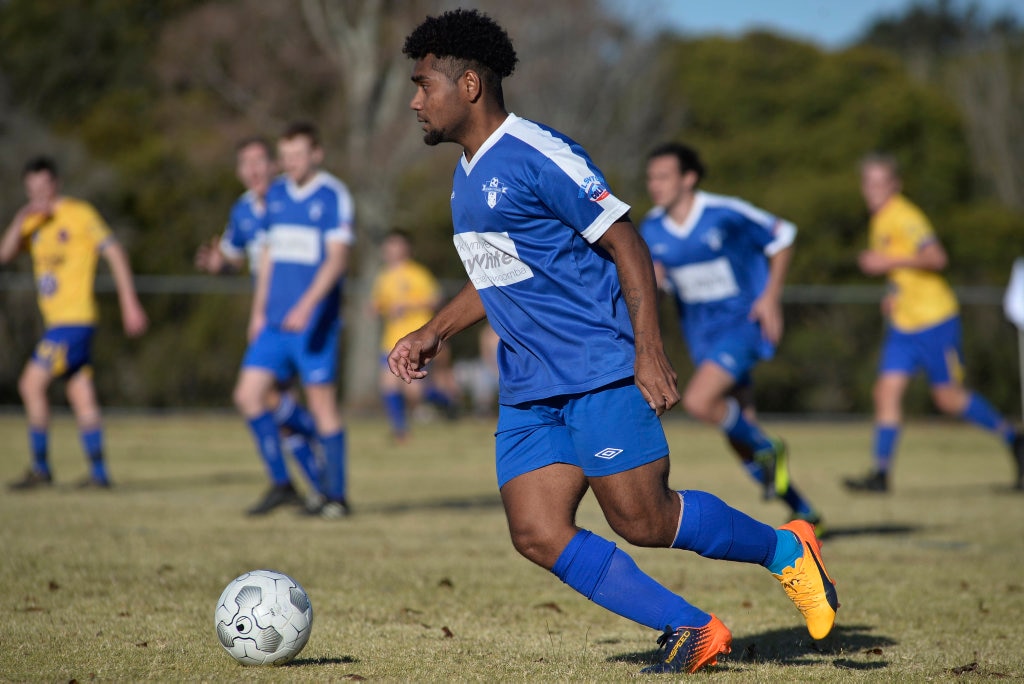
(736, 351)
(65, 350)
(311, 354)
(937, 350)
(606, 431)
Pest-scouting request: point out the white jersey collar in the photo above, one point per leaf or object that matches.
(467, 166)
(305, 191)
(696, 211)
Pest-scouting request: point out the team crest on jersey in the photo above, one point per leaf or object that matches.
(593, 189)
(316, 210)
(63, 235)
(47, 285)
(713, 239)
(494, 189)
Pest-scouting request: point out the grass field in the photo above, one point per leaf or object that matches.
(422, 583)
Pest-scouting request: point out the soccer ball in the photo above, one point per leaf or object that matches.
(263, 618)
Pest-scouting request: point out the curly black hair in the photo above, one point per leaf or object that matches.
(462, 38)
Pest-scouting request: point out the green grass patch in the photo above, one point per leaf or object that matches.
(422, 583)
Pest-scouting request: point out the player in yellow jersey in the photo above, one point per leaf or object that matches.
(65, 238)
(923, 323)
(405, 296)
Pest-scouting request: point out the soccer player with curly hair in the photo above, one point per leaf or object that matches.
(560, 272)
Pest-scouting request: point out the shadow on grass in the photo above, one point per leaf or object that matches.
(188, 481)
(480, 501)
(880, 530)
(856, 646)
(341, 660)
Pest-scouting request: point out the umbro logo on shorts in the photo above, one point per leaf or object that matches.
(608, 453)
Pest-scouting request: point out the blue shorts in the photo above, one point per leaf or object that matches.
(312, 354)
(936, 350)
(603, 432)
(736, 351)
(65, 350)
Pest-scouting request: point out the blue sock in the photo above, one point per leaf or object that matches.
(607, 576)
(304, 455)
(788, 550)
(795, 500)
(292, 415)
(268, 443)
(737, 428)
(437, 397)
(39, 444)
(982, 413)
(714, 530)
(886, 437)
(92, 443)
(394, 406)
(334, 471)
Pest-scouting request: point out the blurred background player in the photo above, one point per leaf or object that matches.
(405, 296)
(65, 237)
(296, 310)
(229, 253)
(922, 323)
(725, 261)
(477, 378)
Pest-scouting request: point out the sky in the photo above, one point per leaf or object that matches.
(828, 23)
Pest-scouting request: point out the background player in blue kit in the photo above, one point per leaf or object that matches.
(240, 244)
(725, 262)
(296, 319)
(566, 281)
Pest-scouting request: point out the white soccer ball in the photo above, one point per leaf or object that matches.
(263, 618)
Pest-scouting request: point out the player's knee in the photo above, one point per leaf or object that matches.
(639, 530)
(29, 388)
(247, 401)
(950, 401)
(535, 545)
(698, 406)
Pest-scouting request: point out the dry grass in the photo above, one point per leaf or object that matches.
(423, 585)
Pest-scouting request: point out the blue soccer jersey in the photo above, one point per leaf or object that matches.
(300, 221)
(242, 235)
(716, 262)
(526, 212)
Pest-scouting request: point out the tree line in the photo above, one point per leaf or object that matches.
(143, 102)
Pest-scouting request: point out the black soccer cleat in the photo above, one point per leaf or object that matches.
(1018, 458)
(33, 479)
(327, 509)
(276, 496)
(91, 482)
(875, 481)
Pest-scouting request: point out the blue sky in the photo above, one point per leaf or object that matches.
(829, 23)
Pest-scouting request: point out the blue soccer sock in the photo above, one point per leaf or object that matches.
(294, 416)
(394, 406)
(304, 455)
(435, 396)
(796, 501)
(39, 444)
(268, 443)
(984, 415)
(715, 530)
(738, 429)
(334, 460)
(92, 443)
(788, 550)
(607, 576)
(886, 437)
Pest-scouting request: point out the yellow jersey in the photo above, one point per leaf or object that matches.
(405, 296)
(65, 247)
(921, 298)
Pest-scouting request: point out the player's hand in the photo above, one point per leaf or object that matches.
(256, 324)
(298, 317)
(768, 312)
(134, 319)
(412, 353)
(656, 380)
(874, 263)
(209, 258)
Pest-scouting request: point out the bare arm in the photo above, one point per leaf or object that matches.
(133, 316)
(767, 309)
(210, 258)
(415, 350)
(327, 276)
(930, 257)
(654, 374)
(258, 313)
